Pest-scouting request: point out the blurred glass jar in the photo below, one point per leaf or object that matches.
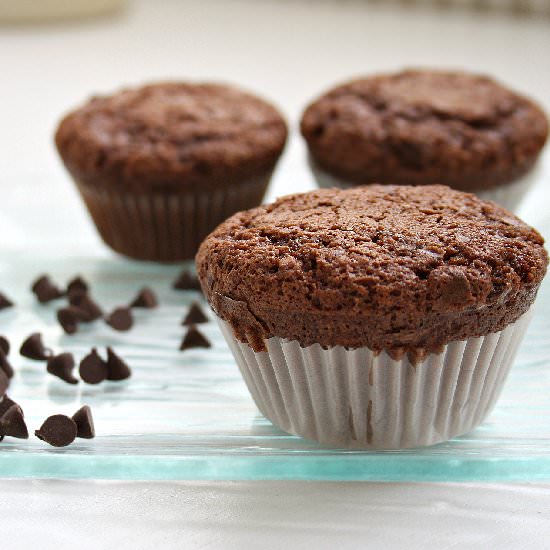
(37, 10)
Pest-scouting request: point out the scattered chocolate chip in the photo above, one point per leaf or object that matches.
(195, 315)
(33, 348)
(120, 319)
(187, 281)
(69, 318)
(194, 339)
(13, 424)
(4, 382)
(58, 430)
(77, 286)
(4, 345)
(86, 309)
(46, 290)
(62, 366)
(5, 302)
(93, 369)
(145, 298)
(5, 365)
(6, 404)
(84, 423)
(117, 369)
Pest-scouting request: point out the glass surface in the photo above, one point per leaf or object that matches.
(188, 415)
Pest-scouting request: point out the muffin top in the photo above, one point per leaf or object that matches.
(398, 268)
(172, 133)
(420, 127)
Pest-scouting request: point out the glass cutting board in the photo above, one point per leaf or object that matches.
(188, 415)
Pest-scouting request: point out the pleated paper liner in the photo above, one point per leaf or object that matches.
(360, 399)
(165, 226)
(509, 195)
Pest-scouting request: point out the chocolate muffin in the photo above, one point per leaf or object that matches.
(161, 165)
(345, 308)
(421, 127)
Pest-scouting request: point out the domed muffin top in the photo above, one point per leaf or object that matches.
(172, 133)
(424, 126)
(399, 268)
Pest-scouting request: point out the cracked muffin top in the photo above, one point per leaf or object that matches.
(421, 126)
(172, 133)
(398, 268)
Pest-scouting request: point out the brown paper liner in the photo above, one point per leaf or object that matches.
(165, 226)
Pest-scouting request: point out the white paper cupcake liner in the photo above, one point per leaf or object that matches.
(360, 399)
(169, 226)
(509, 195)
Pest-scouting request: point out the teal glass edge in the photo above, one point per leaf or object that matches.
(375, 467)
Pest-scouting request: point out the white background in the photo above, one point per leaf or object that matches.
(288, 51)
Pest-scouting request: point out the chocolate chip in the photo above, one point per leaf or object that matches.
(4, 345)
(77, 286)
(46, 290)
(33, 348)
(93, 369)
(117, 369)
(187, 281)
(69, 318)
(194, 339)
(84, 423)
(4, 382)
(120, 319)
(145, 298)
(13, 424)
(195, 315)
(62, 366)
(86, 309)
(58, 430)
(5, 302)
(6, 404)
(5, 365)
